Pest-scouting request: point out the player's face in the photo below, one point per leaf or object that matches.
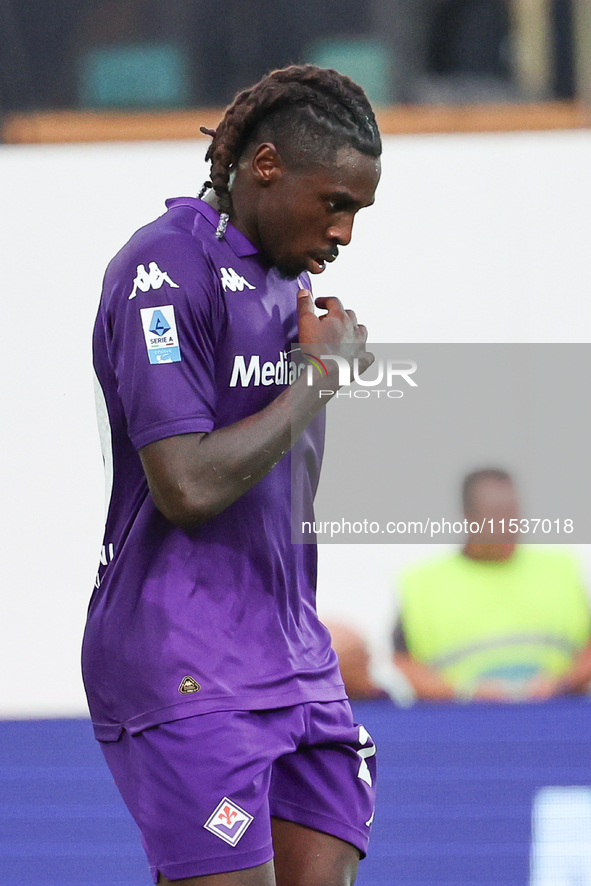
(308, 214)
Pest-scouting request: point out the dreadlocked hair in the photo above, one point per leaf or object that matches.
(308, 113)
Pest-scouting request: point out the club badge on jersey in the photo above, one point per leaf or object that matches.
(161, 335)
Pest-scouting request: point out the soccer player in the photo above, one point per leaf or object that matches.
(213, 689)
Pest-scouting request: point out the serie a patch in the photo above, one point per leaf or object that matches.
(160, 333)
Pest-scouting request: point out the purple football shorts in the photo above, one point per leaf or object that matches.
(202, 789)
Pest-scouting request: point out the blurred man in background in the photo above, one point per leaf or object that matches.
(496, 620)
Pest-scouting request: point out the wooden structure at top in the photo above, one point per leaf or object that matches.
(88, 126)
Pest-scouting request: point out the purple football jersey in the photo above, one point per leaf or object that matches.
(194, 334)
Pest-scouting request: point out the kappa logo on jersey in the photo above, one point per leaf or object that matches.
(160, 333)
(152, 279)
(364, 752)
(233, 281)
(228, 822)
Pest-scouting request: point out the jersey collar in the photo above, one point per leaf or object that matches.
(240, 244)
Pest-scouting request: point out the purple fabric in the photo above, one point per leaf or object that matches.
(202, 789)
(230, 605)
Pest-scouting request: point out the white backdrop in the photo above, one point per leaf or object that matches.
(472, 238)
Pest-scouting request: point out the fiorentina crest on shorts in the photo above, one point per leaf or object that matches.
(228, 822)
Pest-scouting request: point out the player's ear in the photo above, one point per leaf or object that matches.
(266, 164)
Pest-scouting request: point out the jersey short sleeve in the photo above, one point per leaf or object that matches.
(163, 317)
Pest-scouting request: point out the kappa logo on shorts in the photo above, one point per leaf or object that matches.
(228, 822)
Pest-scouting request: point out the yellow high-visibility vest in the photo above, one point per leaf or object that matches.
(509, 620)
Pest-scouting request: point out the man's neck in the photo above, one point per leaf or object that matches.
(489, 553)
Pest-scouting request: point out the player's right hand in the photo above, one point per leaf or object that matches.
(338, 328)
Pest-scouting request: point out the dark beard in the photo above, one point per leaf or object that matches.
(289, 271)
